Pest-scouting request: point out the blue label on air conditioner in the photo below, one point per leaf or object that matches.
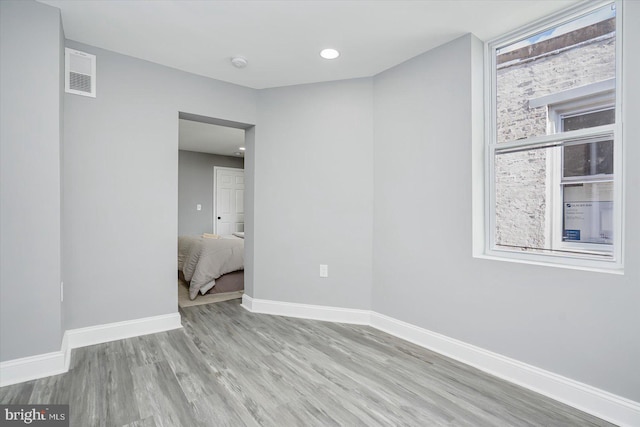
(571, 235)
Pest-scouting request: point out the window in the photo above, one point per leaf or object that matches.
(554, 187)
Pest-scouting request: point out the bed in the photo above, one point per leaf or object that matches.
(212, 264)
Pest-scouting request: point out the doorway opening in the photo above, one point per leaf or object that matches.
(212, 208)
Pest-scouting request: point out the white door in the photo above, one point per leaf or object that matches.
(228, 213)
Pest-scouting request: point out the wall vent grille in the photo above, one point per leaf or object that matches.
(80, 73)
(80, 82)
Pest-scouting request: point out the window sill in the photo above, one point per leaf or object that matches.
(500, 257)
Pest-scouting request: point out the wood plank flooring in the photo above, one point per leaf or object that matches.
(229, 367)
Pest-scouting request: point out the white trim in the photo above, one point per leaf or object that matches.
(247, 303)
(589, 399)
(82, 337)
(618, 159)
(31, 368)
(572, 137)
(546, 263)
(306, 311)
(55, 363)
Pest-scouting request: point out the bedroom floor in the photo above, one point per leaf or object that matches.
(184, 300)
(231, 367)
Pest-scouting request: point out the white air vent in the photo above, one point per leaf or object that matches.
(80, 73)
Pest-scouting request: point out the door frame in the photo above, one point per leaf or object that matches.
(215, 193)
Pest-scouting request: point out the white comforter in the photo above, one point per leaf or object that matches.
(203, 260)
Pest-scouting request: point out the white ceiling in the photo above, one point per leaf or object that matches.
(208, 138)
(282, 39)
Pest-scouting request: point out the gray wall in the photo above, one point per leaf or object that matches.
(30, 126)
(121, 184)
(314, 194)
(580, 324)
(195, 186)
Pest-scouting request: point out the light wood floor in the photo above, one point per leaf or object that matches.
(231, 367)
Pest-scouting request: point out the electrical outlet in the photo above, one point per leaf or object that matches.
(324, 270)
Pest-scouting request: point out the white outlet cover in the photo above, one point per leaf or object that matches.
(324, 270)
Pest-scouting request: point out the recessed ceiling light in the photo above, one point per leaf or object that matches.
(241, 148)
(237, 153)
(329, 53)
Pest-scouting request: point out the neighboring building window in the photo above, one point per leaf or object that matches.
(554, 145)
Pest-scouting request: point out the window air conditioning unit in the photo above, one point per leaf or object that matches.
(80, 73)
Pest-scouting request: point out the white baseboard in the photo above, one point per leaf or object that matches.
(99, 334)
(44, 365)
(306, 311)
(31, 368)
(592, 400)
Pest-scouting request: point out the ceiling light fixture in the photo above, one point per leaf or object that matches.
(241, 148)
(329, 53)
(239, 61)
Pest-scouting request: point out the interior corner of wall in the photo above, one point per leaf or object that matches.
(478, 106)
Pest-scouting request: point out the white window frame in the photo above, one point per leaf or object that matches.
(597, 262)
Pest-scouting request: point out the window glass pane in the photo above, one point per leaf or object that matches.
(592, 158)
(588, 120)
(573, 54)
(535, 212)
(588, 213)
(522, 191)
